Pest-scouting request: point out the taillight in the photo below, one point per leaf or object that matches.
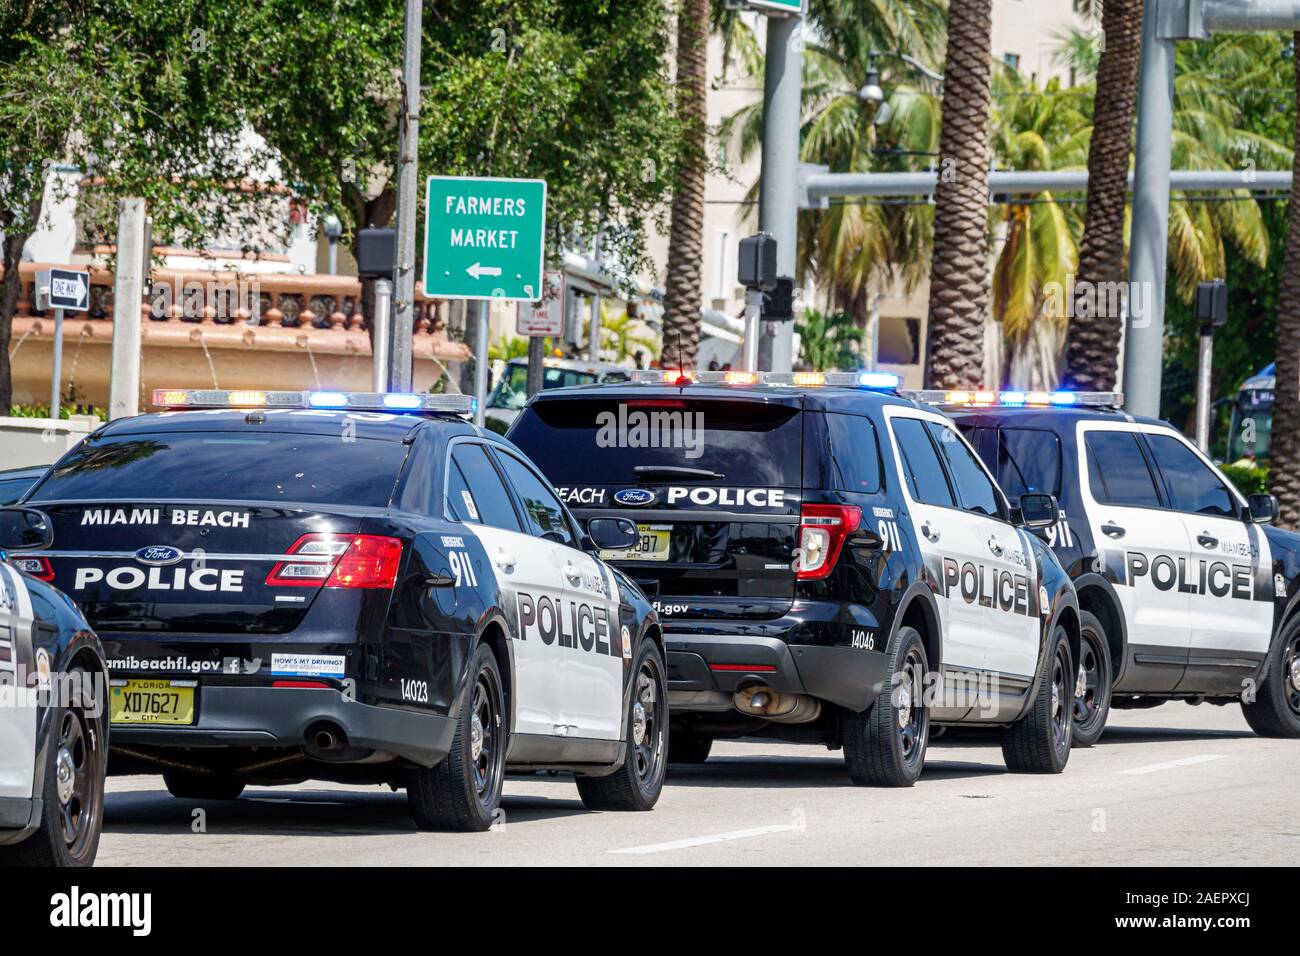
(822, 530)
(339, 561)
(38, 568)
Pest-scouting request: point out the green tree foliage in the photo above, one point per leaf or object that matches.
(829, 340)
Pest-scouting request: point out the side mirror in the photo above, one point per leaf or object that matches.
(1264, 509)
(612, 534)
(1037, 511)
(24, 529)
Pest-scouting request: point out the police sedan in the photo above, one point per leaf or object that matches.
(357, 588)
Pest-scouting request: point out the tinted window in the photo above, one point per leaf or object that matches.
(217, 466)
(854, 455)
(973, 486)
(1118, 472)
(543, 510)
(921, 467)
(11, 489)
(1192, 485)
(588, 441)
(1029, 461)
(475, 492)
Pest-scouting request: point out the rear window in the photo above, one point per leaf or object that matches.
(311, 469)
(601, 441)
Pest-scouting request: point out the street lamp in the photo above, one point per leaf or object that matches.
(333, 230)
(873, 92)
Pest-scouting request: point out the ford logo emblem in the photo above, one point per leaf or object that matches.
(635, 497)
(159, 555)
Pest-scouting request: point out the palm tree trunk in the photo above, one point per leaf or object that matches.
(682, 291)
(1094, 334)
(959, 274)
(1284, 470)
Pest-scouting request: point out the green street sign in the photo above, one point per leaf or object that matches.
(777, 6)
(484, 238)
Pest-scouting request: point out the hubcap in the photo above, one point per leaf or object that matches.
(1081, 682)
(476, 738)
(904, 706)
(1295, 673)
(638, 723)
(65, 775)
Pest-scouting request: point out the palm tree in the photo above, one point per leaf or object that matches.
(829, 340)
(1284, 471)
(959, 269)
(1093, 340)
(683, 294)
(1034, 129)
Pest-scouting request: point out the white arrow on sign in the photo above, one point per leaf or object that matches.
(477, 270)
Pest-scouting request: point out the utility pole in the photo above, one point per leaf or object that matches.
(778, 204)
(400, 371)
(128, 288)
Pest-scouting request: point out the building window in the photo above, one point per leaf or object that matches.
(1012, 60)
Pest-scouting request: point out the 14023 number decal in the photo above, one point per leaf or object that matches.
(416, 691)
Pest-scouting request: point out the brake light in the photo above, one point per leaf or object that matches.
(822, 530)
(38, 568)
(339, 561)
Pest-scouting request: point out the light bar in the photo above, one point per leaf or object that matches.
(876, 381)
(971, 398)
(193, 398)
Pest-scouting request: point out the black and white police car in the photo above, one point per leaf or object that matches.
(358, 588)
(832, 563)
(53, 722)
(1185, 589)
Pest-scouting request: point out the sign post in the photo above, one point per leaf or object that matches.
(61, 289)
(484, 239)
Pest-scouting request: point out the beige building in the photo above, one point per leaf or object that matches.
(1024, 36)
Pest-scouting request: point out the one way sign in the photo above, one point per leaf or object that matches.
(66, 289)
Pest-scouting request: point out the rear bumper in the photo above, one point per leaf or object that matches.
(704, 670)
(230, 716)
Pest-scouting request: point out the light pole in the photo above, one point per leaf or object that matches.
(333, 229)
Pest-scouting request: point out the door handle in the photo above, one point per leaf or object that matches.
(994, 546)
(1207, 541)
(504, 561)
(931, 533)
(573, 574)
(1113, 530)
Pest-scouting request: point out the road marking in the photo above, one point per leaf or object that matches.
(1172, 764)
(711, 838)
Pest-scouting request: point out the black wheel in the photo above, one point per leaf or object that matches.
(1040, 741)
(192, 785)
(1092, 685)
(1275, 709)
(686, 746)
(636, 785)
(463, 792)
(73, 789)
(885, 746)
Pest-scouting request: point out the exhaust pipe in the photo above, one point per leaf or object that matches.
(325, 739)
(758, 700)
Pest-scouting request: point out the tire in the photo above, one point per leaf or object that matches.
(636, 785)
(187, 785)
(73, 815)
(463, 792)
(686, 746)
(1275, 711)
(885, 745)
(1040, 741)
(1092, 706)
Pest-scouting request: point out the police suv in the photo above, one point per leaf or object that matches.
(53, 724)
(1185, 589)
(831, 563)
(352, 587)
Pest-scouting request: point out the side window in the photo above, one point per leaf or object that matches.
(1029, 460)
(1118, 471)
(475, 492)
(1192, 486)
(544, 513)
(854, 453)
(973, 486)
(921, 467)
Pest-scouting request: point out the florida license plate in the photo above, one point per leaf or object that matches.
(651, 545)
(152, 702)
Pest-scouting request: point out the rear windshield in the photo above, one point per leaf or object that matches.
(311, 469)
(602, 441)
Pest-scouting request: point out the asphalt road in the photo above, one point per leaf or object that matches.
(1174, 785)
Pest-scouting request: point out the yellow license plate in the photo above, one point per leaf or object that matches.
(651, 545)
(151, 702)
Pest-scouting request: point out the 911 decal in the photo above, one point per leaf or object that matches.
(462, 568)
(892, 537)
(1059, 535)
